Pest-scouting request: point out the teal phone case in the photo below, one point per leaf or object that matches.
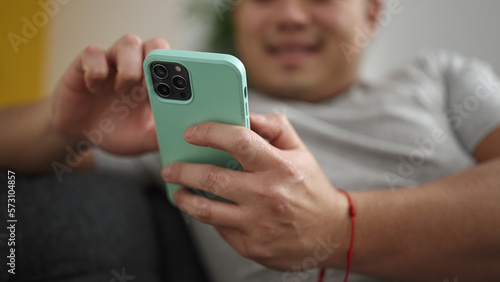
(219, 93)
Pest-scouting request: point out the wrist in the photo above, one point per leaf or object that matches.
(340, 232)
(67, 149)
(53, 128)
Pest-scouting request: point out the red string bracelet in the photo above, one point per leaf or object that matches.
(352, 215)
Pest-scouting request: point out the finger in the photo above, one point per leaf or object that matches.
(277, 129)
(127, 55)
(208, 211)
(227, 183)
(249, 149)
(155, 43)
(95, 67)
(88, 71)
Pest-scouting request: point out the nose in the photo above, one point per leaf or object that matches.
(291, 15)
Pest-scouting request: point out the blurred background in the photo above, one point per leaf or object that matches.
(39, 39)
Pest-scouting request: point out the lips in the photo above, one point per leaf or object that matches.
(292, 53)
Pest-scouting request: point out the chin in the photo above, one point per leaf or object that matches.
(296, 82)
(286, 89)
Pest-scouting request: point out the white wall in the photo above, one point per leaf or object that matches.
(81, 23)
(470, 27)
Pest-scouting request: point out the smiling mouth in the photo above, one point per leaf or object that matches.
(293, 53)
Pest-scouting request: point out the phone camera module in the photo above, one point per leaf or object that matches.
(179, 82)
(160, 71)
(163, 90)
(170, 80)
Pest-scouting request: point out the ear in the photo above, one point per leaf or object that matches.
(374, 7)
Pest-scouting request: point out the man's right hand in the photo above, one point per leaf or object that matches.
(102, 98)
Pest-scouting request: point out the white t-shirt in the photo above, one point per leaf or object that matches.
(420, 125)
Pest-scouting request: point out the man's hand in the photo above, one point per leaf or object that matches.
(104, 90)
(285, 208)
(100, 101)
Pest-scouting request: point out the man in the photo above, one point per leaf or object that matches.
(434, 128)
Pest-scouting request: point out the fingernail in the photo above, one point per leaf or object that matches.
(166, 171)
(190, 131)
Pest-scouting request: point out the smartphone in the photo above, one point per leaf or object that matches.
(187, 88)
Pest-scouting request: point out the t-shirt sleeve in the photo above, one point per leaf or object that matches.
(472, 98)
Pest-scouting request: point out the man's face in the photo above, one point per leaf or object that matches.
(292, 48)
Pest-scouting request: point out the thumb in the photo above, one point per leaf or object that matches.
(277, 129)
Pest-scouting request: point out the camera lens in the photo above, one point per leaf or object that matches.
(160, 71)
(179, 82)
(163, 90)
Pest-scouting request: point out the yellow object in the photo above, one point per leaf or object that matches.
(22, 50)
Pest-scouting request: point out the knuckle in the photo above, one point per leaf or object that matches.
(277, 201)
(96, 69)
(281, 117)
(97, 75)
(266, 231)
(209, 179)
(208, 132)
(159, 42)
(131, 40)
(243, 139)
(214, 180)
(203, 210)
(93, 50)
(290, 171)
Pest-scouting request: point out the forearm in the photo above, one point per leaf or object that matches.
(445, 229)
(30, 145)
